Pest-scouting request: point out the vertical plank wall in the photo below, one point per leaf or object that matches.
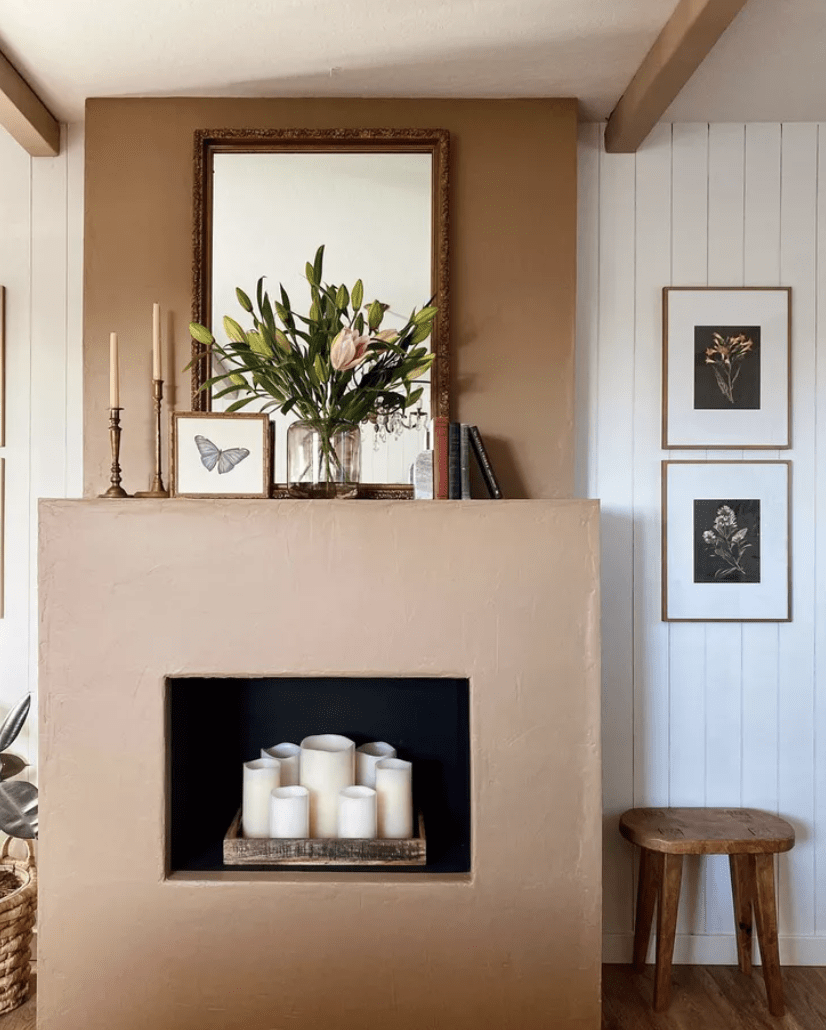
(41, 227)
(704, 713)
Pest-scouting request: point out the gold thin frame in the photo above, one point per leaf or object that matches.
(208, 142)
(727, 446)
(664, 534)
(266, 443)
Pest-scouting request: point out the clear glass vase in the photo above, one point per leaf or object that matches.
(323, 458)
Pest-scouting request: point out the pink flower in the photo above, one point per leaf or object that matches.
(348, 350)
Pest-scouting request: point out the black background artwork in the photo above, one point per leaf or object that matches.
(723, 552)
(745, 374)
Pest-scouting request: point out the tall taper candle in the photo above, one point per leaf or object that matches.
(156, 342)
(288, 755)
(261, 777)
(114, 374)
(394, 798)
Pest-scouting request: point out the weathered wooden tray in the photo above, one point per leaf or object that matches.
(240, 850)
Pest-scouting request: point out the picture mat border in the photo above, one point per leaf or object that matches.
(665, 464)
(266, 427)
(728, 444)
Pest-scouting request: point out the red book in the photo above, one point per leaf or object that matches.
(440, 458)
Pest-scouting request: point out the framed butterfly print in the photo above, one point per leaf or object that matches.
(220, 454)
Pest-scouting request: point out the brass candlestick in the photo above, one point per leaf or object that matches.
(157, 489)
(115, 490)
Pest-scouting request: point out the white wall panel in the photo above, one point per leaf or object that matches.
(41, 224)
(714, 713)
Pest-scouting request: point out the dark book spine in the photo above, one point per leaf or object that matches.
(485, 466)
(464, 461)
(441, 468)
(454, 462)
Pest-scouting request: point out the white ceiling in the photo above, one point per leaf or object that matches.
(769, 65)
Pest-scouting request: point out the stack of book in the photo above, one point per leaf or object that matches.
(453, 445)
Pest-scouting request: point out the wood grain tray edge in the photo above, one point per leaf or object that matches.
(240, 850)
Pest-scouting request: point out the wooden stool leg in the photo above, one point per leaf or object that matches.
(668, 902)
(742, 892)
(646, 902)
(765, 911)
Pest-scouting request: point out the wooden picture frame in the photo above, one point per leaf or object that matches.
(726, 367)
(726, 541)
(206, 447)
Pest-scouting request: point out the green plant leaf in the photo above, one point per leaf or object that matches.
(234, 331)
(411, 400)
(18, 809)
(422, 333)
(243, 299)
(200, 333)
(425, 315)
(259, 345)
(318, 262)
(237, 405)
(309, 271)
(315, 312)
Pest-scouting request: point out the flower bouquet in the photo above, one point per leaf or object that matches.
(334, 367)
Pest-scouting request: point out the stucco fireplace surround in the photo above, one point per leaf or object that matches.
(504, 594)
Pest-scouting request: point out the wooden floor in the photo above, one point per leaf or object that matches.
(702, 998)
(712, 998)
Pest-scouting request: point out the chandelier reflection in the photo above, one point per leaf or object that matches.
(389, 424)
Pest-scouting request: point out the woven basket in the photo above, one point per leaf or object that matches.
(18, 912)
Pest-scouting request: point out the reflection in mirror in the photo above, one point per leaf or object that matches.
(376, 200)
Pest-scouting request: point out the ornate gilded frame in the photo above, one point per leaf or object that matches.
(208, 142)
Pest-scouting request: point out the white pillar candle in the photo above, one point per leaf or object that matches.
(357, 813)
(366, 757)
(394, 797)
(114, 372)
(288, 755)
(290, 812)
(261, 777)
(327, 765)
(156, 341)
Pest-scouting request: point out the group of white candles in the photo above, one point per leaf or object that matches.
(114, 369)
(327, 788)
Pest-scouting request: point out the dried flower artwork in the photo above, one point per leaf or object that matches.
(726, 357)
(727, 549)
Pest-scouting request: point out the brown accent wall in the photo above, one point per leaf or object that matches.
(513, 262)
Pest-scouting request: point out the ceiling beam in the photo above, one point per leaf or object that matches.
(686, 39)
(24, 114)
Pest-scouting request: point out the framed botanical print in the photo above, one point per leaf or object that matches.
(217, 454)
(725, 541)
(726, 361)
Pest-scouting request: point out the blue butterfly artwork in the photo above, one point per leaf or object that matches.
(212, 455)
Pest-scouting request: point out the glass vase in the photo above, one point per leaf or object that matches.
(323, 459)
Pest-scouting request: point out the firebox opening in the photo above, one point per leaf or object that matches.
(215, 724)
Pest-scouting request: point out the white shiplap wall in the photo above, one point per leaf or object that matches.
(41, 253)
(714, 713)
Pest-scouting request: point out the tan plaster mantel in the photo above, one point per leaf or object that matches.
(503, 593)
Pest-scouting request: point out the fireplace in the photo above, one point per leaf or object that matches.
(146, 604)
(216, 723)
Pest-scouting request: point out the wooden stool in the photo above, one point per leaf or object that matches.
(750, 839)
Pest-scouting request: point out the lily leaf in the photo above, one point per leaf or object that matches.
(422, 333)
(318, 261)
(18, 809)
(425, 315)
(200, 333)
(243, 299)
(309, 271)
(14, 722)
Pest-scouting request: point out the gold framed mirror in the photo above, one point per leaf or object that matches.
(377, 199)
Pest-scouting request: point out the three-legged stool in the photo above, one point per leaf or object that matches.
(751, 839)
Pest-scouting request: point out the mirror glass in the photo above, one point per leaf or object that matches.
(376, 211)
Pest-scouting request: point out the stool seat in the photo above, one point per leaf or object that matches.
(707, 831)
(751, 839)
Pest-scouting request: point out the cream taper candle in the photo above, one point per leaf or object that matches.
(366, 757)
(114, 372)
(394, 798)
(327, 765)
(261, 777)
(288, 755)
(290, 812)
(357, 813)
(156, 342)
